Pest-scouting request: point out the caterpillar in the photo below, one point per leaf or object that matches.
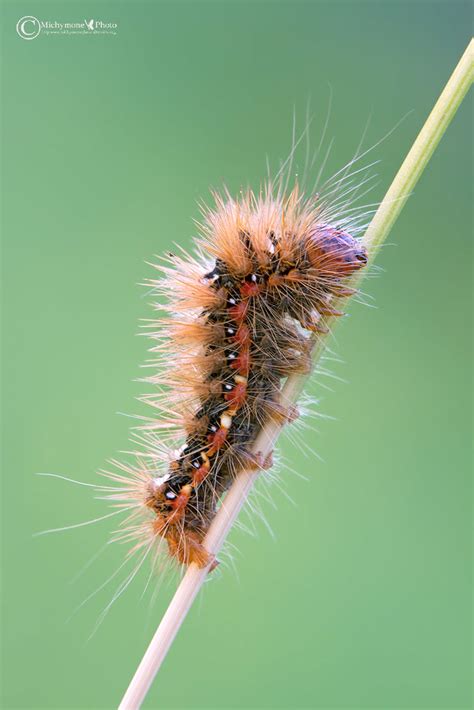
(239, 317)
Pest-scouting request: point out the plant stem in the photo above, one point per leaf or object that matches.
(388, 211)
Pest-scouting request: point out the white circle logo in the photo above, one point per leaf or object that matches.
(28, 27)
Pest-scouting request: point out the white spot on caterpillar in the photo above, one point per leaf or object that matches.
(159, 480)
(226, 421)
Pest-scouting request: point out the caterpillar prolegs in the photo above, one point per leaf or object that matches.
(240, 312)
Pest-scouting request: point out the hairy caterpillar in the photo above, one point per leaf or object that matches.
(239, 316)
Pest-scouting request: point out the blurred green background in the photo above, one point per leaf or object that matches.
(363, 599)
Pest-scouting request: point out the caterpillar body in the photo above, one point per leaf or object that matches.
(240, 314)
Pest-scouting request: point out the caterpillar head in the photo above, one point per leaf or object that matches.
(334, 252)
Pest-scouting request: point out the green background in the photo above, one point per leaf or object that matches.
(363, 598)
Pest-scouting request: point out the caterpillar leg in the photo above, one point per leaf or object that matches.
(292, 413)
(256, 462)
(187, 548)
(314, 324)
(284, 415)
(343, 291)
(301, 364)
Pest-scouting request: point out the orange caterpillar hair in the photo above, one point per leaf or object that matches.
(239, 316)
